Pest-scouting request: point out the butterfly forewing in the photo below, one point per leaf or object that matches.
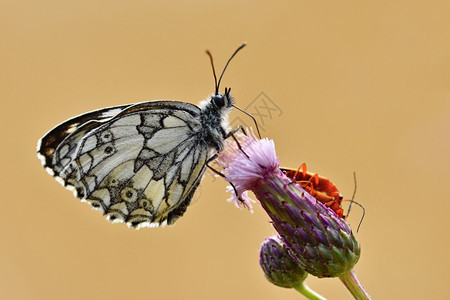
(141, 166)
(48, 144)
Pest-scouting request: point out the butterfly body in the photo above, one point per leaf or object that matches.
(318, 186)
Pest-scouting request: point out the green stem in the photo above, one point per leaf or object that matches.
(356, 289)
(306, 291)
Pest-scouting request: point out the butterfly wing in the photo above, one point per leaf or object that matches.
(141, 166)
(81, 124)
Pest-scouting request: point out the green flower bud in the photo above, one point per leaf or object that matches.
(278, 266)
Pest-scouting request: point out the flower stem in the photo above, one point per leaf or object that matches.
(306, 291)
(356, 289)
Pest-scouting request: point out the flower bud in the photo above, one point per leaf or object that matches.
(278, 266)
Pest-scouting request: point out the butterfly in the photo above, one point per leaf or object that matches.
(317, 186)
(139, 163)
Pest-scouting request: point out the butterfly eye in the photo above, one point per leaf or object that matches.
(218, 100)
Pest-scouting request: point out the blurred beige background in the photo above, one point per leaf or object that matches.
(354, 86)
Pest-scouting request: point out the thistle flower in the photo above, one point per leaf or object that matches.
(322, 243)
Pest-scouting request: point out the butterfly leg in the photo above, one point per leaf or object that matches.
(222, 175)
(227, 135)
(243, 130)
(239, 146)
(231, 133)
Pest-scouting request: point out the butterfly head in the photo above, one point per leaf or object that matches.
(222, 101)
(218, 104)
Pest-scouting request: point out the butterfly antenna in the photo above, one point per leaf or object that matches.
(250, 115)
(221, 75)
(214, 71)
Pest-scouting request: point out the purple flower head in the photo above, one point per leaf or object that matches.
(321, 242)
(244, 170)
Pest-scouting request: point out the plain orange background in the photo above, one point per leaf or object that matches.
(362, 86)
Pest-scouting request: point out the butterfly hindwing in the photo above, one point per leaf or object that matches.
(141, 166)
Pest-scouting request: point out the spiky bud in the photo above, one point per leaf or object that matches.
(278, 266)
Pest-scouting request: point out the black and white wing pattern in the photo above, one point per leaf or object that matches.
(139, 164)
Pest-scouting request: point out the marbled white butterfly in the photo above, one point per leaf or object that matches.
(139, 163)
